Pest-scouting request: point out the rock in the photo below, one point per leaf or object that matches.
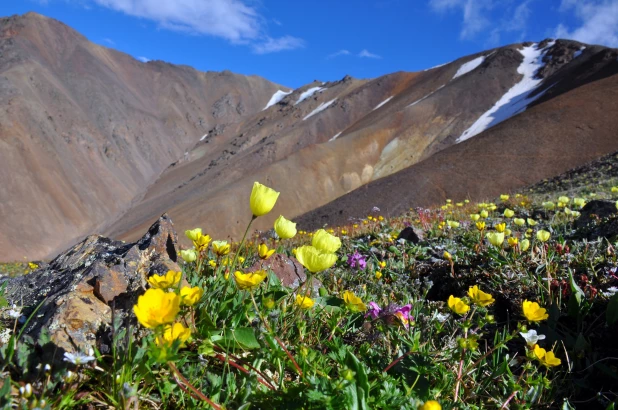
(80, 288)
(411, 234)
(598, 218)
(289, 271)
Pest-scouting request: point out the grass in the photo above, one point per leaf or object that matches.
(258, 348)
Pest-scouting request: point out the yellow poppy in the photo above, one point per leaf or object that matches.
(262, 199)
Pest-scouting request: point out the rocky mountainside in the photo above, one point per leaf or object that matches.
(482, 124)
(95, 141)
(84, 129)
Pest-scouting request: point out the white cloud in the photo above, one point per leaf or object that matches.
(273, 45)
(109, 41)
(474, 14)
(367, 54)
(237, 21)
(143, 59)
(339, 53)
(599, 21)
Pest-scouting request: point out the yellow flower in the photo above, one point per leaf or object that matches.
(264, 252)
(457, 305)
(241, 259)
(504, 197)
(353, 302)
(190, 296)
(344, 232)
(378, 275)
(262, 199)
(174, 332)
(524, 245)
(549, 206)
(326, 242)
(479, 297)
(492, 207)
(188, 255)
(382, 264)
(512, 242)
(519, 221)
(156, 307)
(430, 405)
(249, 280)
(460, 204)
(543, 235)
(564, 199)
(201, 242)
(32, 265)
(193, 234)
(480, 225)
(269, 303)
(475, 217)
(448, 201)
(314, 259)
(509, 213)
(551, 360)
(304, 302)
(614, 189)
(212, 263)
(580, 202)
(169, 280)
(533, 312)
(380, 218)
(221, 248)
(500, 227)
(507, 232)
(453, 224)
(285, 229)
(447, 256)
(495, 238)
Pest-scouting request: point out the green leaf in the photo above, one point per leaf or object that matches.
(3, 302)
(242, 337)
(362, 381)
(611, 315)
(577, 297)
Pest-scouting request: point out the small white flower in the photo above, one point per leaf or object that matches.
(440, 317)
(610, 292)
(77, 358)
(531, 337)
(14, 312)
(26, 391)
(47, 368)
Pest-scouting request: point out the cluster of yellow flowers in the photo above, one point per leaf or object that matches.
(476, 296)
(159, 306)
(320, 255)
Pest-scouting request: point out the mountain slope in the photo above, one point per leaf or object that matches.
(85, 129)
(351, 132)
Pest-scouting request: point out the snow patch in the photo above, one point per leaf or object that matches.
(278, 96)
(579, 52)
(203, 137)
(437, 66)
(309, 93)
(383, 102)
(427, 96)
(515, 100)
(469, 66)
(320, 108)
(335, 136)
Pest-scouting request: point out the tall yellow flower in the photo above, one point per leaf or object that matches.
(221, 248)
(457, 305)
(534, 312)
(156, 307)
(304, 302)
(478, 297)
(543, 235)
(353, 302)
(480, 225)
(285, 229)
(193, 234)
(262, 199)
(495, 238)
(546, 358)
(512, 242)
(190, 296)
(174, 332)
(430, 405)
(500, 227)
(249, 280)
(201, 242)
(314, 259)
(326, 242)
(264, 252)
(169, 280)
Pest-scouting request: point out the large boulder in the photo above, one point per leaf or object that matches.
(598, 219)
(76, 295)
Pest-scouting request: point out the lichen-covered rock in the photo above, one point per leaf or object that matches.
(289, 271)
(75, 294)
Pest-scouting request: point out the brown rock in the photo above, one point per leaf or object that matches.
(289, 271)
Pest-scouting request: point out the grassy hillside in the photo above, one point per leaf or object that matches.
(502, 304)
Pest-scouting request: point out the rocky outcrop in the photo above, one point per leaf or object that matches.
(598, 219)
(76, 294)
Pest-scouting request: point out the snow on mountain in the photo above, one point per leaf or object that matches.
(320, 108)
(579, 52)
(516, 99)
(309, 93)
(334, 136)
(427, 96)
(383, 102)
(278, 96)
(469, 66)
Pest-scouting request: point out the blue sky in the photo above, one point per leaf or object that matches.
(293, 42)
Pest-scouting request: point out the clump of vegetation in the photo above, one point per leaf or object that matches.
(495, 308)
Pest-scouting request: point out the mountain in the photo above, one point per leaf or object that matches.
(104, 143)
(84, 129)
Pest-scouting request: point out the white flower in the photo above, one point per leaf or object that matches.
(77, 358)
(610, 292)
(531, 337)
(440, 317)
(26, 391)
(15, 312)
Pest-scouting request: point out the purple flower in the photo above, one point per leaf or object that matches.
(373, 310)
(356, 260)
(403, 313)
